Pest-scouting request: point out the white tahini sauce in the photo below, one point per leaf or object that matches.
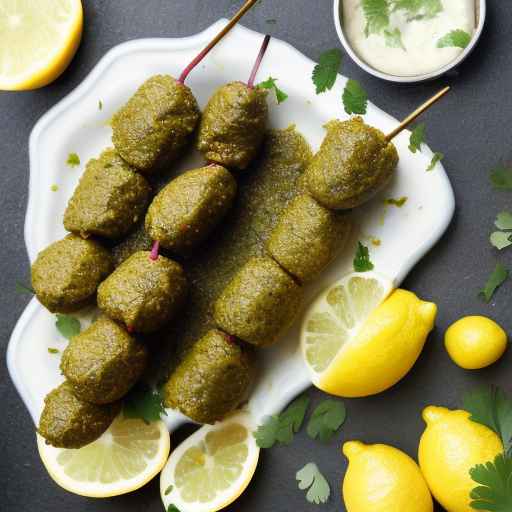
(419, 38)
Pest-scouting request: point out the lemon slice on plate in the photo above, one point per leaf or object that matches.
(335, 318)
(127, 456)
(211, 468)
(39, 39)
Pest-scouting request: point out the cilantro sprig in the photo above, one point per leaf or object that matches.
(67, 325)
(326, 71)
(362, 262)
(326, 419)
(355, 99)
(271, 84)
(144, 403)
(281, 428)
(310, 477)
(498, 276)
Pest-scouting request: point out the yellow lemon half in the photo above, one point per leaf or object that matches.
(39, 39)
(474, 342)
(381, 478)
(450, 446)
(126, 457)
(211, 468)
(356, 355)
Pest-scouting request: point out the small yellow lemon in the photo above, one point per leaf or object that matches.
(474, 342)
(39, 39)
(375, 355)
(381, 478)
(450, 446)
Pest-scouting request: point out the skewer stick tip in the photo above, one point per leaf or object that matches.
(414, 115)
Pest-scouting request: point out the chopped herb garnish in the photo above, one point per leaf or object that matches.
(396, 202)
(498, 276)
(501, 177)
(270, 83)
(490, 406)
(100, 105)
(454, 39)
(68, 326)
(326, 71)
(282, 427)
(362, 261)
(24, 289)
(168, 490)
(393, 39)
(435, 160)
(309, 477)
(54, 188)
(376, 13)
(53, 350)
(73, 160)
(494, 492)
(418, 9)
(326, 419)
(355, 99)
(144, 403)
(417, 138)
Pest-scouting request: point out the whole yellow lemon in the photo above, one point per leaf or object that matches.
(474, 342)
(450, 446)
(381, 478)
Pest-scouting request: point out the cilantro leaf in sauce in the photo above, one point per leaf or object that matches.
(393, 39)
(376, 13)
(355, 99)
(326, 71)
(454, 39)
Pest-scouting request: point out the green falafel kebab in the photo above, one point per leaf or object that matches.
(157, 122)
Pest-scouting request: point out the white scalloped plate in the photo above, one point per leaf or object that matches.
(76, 124)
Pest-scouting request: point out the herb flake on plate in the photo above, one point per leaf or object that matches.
(271, 84)
(310, 477)
(362, 262)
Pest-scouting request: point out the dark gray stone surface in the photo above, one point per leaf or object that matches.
(471, 127)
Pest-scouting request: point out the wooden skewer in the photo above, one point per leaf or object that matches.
(236, 18)
(410, 118)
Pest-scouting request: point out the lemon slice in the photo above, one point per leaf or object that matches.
(212, 468)
(39, 39)
(335, 318)
(127, 456)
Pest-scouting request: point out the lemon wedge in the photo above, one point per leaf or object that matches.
(127, 456)
(39, 39)
(211, 468)
(357, 339)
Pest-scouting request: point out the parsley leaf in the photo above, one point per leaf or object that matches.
(144, 403)
(68, 326)
(396, 202)
(501, 177)
(417, 138)
(393, 39)
(495, 490)
(501, 240)
(498, 276)
(326, 71)
(435, 160)
(355, 99)
(270, 83)
(173, 508)
(493, 408)
(504, 220)
(24, 289)
(326, 419)
(376, 13)
(73, 160)
(455, 38)
(362, 261)
(281, 428)
(53, 350)
(310, 477)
